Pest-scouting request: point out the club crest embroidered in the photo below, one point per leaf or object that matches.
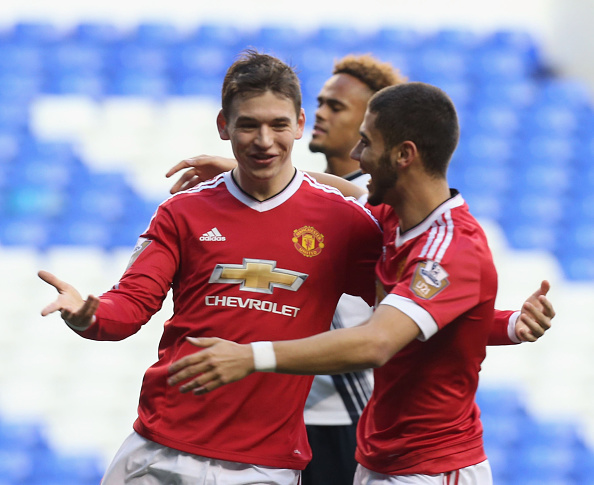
(429, 279)
(308, 241)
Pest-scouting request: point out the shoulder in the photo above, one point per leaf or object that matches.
(333, 197)
(210, 188)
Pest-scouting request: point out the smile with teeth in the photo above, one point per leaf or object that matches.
(263, 157)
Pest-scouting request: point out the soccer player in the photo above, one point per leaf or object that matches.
(335, 402)
(262, 252)
(428, 336)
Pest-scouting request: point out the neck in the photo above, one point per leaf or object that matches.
(341, 166)
(262, 187)
(413, 205)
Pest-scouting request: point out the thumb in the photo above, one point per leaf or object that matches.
(545, 286)
(203, 342)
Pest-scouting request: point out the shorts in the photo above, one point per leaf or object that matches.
(143, 462)
(479, 474)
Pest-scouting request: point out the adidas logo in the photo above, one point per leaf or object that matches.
(212, 235)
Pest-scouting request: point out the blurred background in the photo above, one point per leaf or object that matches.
(98, 100)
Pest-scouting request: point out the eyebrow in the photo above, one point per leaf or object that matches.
(331, 100)
(278, 119)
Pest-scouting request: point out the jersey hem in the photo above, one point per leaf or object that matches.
(427, 463)
(218, 455)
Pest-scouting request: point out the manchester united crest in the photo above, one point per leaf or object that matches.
(308, 241)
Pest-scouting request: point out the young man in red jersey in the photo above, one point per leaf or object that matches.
(335, 402)
(427, 337)
(262, 252)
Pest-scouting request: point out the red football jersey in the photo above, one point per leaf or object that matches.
(242, 270)
(422, 417)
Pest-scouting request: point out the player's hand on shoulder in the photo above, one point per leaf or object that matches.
(198, 169)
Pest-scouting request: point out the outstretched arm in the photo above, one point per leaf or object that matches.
(76, 312)
(199, 169)
(222, 362)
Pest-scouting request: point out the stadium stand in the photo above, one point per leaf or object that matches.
(90, 119)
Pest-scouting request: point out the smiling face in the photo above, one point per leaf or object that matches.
(375, 159)
(341, 107)
(262, 129)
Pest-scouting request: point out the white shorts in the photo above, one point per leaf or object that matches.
(479, 474)
(143, 462)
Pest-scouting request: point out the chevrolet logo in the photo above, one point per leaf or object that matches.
(257, 275)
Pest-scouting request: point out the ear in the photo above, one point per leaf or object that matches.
(404, 154)
(300, 124)
(222, 126)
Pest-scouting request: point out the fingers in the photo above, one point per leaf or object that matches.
(83, 317)
(186, 367)
(532, 322)
(547, 306)
(52, 280)
(51, 308)
(188, 180)
(187, 163)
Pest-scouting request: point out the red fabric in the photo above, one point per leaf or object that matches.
(422, 417)
(307, 229)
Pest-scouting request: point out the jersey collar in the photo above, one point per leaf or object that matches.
(454, 201)
(268, 204)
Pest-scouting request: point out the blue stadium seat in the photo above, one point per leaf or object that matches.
(155, 34)
(192, 58)
(338, 38)
(457, 39)
(546, 150)
(515, 93)
(210, 34)
(75, 83)
(134, 83)
(396, 38)
(499, 64)
(494, 119)
(14, 115)
(196, 85)
(96, 33)
(76, 56)
(132, 57)
(565, 92)
(531, 178)
(438, 62)
(15, 87)
(281, 41)
(32, 32)
(26, 60)
(550, 120)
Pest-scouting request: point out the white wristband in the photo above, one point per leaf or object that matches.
(264, 356)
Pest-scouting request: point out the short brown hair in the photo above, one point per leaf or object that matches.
(369, 70)
(420, 113)
(254, 73)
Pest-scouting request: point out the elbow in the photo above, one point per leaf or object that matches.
(378, 354)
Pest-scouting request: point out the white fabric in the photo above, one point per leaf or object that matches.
(511, 328)
(479, 474)
(325, 406)
(264, 356)
(421, 317)
(143, 462)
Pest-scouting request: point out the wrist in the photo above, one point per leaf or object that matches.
(264, 356)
